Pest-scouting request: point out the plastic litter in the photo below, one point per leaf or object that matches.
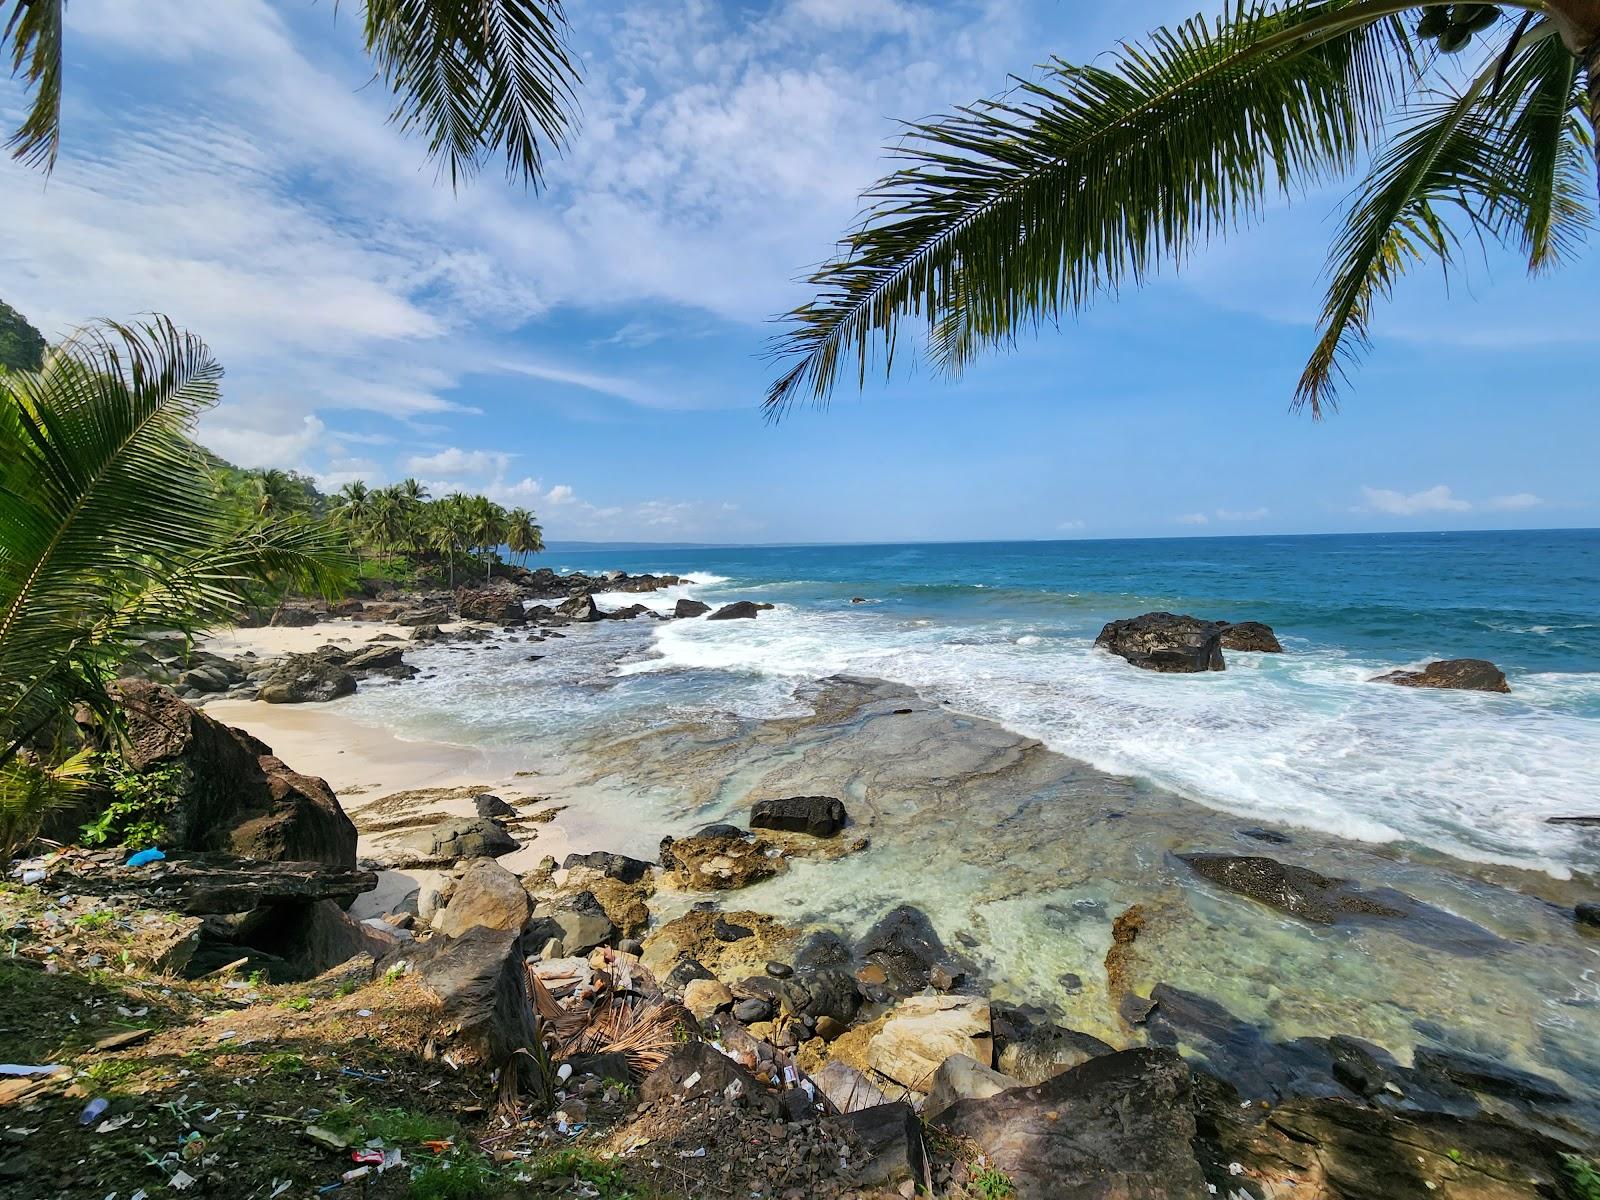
(356, 1173)
(700, 1153)
(182, 1181)
(438, 1145)
(31, 877)
(564, 1072)
(92, 1110)
(145, 857)
(112, 1124)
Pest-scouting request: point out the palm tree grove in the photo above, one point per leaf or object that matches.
(1155, 761)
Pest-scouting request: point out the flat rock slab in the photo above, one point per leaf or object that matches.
(891, 1137)
(221, 883)
(923, 1031)
(1120, 1127)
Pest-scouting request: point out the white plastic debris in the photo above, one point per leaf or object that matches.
(112, 1124)
(691, 1081)
(1235, 1168)
(564, 1072)
(182, 1181)
(700, 1153)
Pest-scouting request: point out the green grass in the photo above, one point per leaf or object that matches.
(399, 1125)
(95, 920)
(283, 1062)
(1583, 1178)
(459, 1175)
(110, 1073)
(607, 1178)
(299, 1004)
(993, 1184)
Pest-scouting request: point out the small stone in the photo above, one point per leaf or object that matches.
(706, 997)
(872, 975)
(552, 950)
(748, 1012)
(779, 970)
(1072, 984)
(943, 977)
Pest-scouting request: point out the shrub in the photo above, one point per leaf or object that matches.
(140, 803)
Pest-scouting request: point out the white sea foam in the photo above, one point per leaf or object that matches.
(1302, 738)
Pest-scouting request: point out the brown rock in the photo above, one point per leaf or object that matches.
(1468, 674)
(487, 895)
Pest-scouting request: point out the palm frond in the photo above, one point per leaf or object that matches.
(108, 528)
(34, 32)
(479, 77)
(1021, 209)
(1502, 164)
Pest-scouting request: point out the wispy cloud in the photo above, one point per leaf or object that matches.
(1409, 504)
(1248, 514)
(1516, 502)
(1194, 518)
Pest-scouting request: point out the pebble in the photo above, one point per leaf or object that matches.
(779, 970)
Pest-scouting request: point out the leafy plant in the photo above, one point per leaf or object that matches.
(107, 524)
(457, 1175)
(993, 1184)
(585, 1168)
(100, 919)
(401, 1125)
(283, 1062)
(140, 803)
(298, 1004)
(29, 791)
(1017, 211)
(1583, 1177)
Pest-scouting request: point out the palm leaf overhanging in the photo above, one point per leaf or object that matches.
(108, 528)
(1023, 209)
(477, 78)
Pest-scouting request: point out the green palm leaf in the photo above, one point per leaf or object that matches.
(478, 77)
(34, 31)
(108, 529)
(1504, 164)
(1022, 209)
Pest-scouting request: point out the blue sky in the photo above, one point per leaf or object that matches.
(595, 351)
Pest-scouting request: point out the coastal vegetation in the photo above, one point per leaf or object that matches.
(475, 79)
(1468, 124)
(110, 532)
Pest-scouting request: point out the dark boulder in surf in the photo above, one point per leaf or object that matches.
(738, 610)
(1463, 674)
(690, 608)
(581, 608)
(820, 816)
(1163, 641)
(1252, 637)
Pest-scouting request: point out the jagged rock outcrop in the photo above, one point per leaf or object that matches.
(499, 608)
(232, 793)
(1252, 637)
(1163, 641)
(738, 610)
(307, 678)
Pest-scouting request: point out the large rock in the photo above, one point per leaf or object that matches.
(499, 608)
(381, 657)
(581, 608)
(480, 987)
(1031, 1048)
(891, 1137)
(718, 863)
(579, 921)
(295, 616)
(704, 998)
(1483, 1075)
(305, 679)
(1163, 641)
(820, 816)
(1251, 636)
(738, 610)
(461, 837)
(922, 1031)
(690, 608)
(613, 866)
(962, 1077)
(1120, 1127)
(311, 938)
(223, 883)
(487, 895)
(904, 944)
(426, 615)
(232, 793)
(846, 1088)
(1468, 674)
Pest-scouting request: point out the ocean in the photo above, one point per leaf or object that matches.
(1004, 630)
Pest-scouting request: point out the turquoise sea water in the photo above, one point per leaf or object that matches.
(1005, 630)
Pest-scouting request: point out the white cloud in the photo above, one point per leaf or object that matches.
(455, 463)
(1070, 525)
(1250, 514)
(560, 494)
(1403, 504)
(1194, 518)
(1517, 502)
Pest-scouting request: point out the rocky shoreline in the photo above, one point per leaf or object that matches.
(846, 953)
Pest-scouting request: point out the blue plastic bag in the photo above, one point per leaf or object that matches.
(146, 856)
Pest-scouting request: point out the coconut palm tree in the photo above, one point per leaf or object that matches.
(352, 509)
(486, 525)
(1471, 121)
(272, 493)
(449, 529)
(476, 78)
(523, 534)
(108, 527)
(388, 524)
(414, 491)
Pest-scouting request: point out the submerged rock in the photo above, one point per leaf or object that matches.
(718, 863)
(1031, 1048)
(820, 816)
(1163, 641)
(905, 946)
(1468, 674)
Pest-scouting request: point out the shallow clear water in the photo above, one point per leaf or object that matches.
(1005, 630)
